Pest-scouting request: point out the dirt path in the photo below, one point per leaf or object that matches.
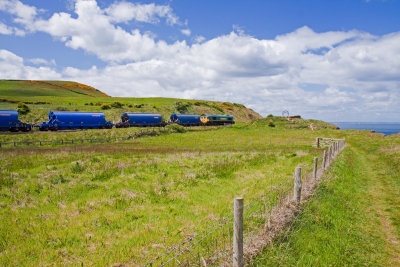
(380, 190)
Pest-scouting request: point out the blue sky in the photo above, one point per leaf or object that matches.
(330, 60)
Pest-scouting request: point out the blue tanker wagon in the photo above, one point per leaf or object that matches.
(9, 122)
(134, 119)
(75, 120)
(186, 119)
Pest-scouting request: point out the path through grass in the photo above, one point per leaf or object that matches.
(353, 219)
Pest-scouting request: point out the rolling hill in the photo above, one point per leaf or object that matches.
(43, 96)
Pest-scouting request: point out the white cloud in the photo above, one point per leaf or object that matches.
(150, 13)
(13, 67)
(199, 39)
(42, 61)
(4, 29)
(24, 14)
(186, 32)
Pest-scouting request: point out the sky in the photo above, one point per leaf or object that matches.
(322, 59)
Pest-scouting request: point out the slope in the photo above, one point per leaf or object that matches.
(43, 96)
(46, 88)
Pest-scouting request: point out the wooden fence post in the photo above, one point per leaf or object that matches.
(297, 184)
(328, 157)
(324, 160)
(317, 142)
(315, 167)
(238, 260)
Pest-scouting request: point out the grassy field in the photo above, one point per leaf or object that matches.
(354, 217)
(128, 201)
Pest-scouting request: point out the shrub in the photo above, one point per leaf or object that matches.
(227, 104)
(58, 179)
(117, 105)
(176, 128)
(61, 109)
(182, 107)
(23, 109)
(77, 168)
(270, 116)
(139, 106)
(218, 108)
(271, 124)
(130, 106)
(105, 106)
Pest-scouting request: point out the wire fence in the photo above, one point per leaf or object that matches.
(81, 140)
(213, 246)
(150, 131)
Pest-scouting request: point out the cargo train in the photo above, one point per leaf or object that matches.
(62, 120)
(9, 122)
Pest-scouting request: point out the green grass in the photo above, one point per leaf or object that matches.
(353, 219)
(17, 88)
(108, 203)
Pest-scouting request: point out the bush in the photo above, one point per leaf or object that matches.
(219, 108)
(105, 106)
(227, 104)
(270, 116)
(117, 105)
(77, 168)
(58, 179)
(139, 106)
(130, 106)
(61, 109)
(271, 124)
(23, 109)
(176, 128)
(182, 107)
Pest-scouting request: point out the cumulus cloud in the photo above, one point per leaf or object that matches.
(13, 67)
(42, 61)
(4, 29)
(329, 75)
(186, 32)
(150, 13)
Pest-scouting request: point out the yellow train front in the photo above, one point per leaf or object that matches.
(208, 119)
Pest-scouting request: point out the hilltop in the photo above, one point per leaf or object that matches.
(42, 96)
(47, 88)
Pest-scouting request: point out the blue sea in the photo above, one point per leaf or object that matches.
(387, 128)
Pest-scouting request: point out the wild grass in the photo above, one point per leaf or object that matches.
(126, 202)
(353, 219)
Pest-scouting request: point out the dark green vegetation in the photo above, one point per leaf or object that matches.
(354, 217)
(43, 96)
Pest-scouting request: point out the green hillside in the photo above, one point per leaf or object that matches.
(46, 88)
(42, 96)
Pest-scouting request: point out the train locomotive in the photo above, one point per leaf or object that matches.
(208, 119)
(134, 119)
(75, 120)
(9, 122)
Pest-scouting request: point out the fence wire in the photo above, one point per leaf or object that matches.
(213, 246)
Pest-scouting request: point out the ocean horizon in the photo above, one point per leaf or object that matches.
(386, 128)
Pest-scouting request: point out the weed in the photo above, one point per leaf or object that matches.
(77, 168)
